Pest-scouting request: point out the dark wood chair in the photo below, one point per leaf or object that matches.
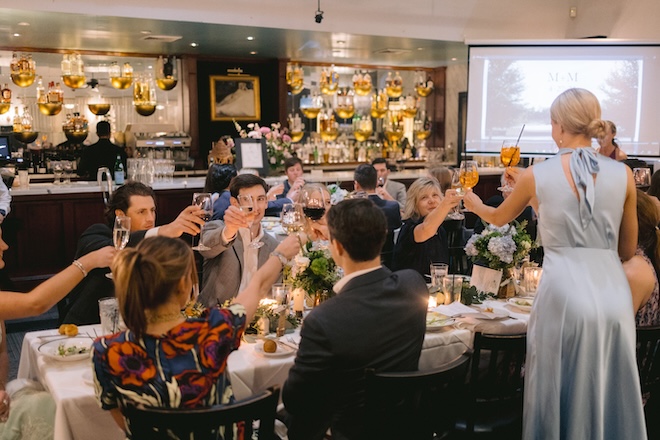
(214, 423)
(413, 405)
(493, 404)
(648, 362)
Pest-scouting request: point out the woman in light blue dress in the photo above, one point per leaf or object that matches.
(581, 379)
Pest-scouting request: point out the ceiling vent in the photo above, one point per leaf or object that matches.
(162, 38)
(391, 51)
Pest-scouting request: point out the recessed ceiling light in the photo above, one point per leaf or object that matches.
(24, 23)
(145, 32)
(454, 59)
(17, 35)
(250, 38)
(341, 42)
(194, 44)
(420, 48)
(69, 106)
(254, 52)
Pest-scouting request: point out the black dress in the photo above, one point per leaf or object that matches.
(418, 256)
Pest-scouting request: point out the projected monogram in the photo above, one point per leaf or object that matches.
(565, 77)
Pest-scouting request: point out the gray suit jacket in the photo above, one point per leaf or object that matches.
(397, 190)
(223, 265)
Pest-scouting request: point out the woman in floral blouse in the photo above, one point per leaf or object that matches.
(164, 359)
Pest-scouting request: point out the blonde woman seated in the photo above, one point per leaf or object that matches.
(164, 359)
(422, 239)
(642, 269)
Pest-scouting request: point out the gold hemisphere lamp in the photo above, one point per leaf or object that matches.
(345, 104)
(121, 78)
(73, 70)
(379, 104)
(26, 137)
(74, 81)
(4, 107)
(423, 91)
(50, 108)
(23, 69)
(145, 109)
(394, 85)
(362, 83)
(329, 127)
(362, 128)
(296, 128)
(121, 82)
(294, 78)
(23, 79)
(99, 109)
(423, 84)
(329, 82)
(166, 73)
(76, 136)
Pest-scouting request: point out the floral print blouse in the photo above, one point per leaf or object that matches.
(649, 313)
(184, 368)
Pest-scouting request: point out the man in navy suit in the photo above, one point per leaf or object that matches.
(365, 179)
(376, 320)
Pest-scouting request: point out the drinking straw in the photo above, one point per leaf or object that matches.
(521, 132)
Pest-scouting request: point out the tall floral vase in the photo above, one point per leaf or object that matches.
(508, 285)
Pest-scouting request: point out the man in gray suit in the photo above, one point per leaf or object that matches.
(388, 189)
(376, 320)
(234, 255)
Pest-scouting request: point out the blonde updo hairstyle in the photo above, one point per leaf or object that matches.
(578, 112)
(415, 192)
(148, 275)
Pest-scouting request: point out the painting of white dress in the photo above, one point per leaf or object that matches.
(235, 97)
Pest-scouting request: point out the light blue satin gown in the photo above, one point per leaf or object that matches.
(581, 379)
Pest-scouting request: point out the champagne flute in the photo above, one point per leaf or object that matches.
(313, 201)
(121, 232)
(204, 201)
(455, 213)
(246, 204)
(468, 176)
(510, 157)
(292, 218)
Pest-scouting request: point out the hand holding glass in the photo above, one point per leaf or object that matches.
(121, 232)
(205, 202)
(510, 157)
(293, 219)
(455, 214)
(246, 204)
(313, 200)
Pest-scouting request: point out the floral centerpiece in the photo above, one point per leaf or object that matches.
(268, 313)
(337, 193)
(314, 272)
(501, 248)
(278, 141)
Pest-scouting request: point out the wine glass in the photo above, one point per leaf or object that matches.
(292, 218)
(313, 201)
(246, 204)
(121, 232)
(510, 156)
(381, 181)
(468, 176)
(205, 202)
(455, 213)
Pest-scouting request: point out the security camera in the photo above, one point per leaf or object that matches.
(319, 16)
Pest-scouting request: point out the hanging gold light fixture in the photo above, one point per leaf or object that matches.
(294, 78)
(121, 78)
(423, 84)
(73, 71)
(144, 95)
(166, 73)
(329, 81)
(394, 85)
(23, 69)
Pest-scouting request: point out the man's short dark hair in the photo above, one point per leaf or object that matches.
(292, 161)
(246, 181)
(218, 177)
(103, 128)
(379, 160)
(366, 176)
(360, 226)
(121, 198)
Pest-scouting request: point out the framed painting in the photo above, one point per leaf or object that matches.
(235, 97)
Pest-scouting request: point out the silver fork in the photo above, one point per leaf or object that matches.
(291, 340)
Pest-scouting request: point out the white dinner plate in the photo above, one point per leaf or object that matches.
(72, 349)
(437, 321)
(522, 303)
(495, 314)
(282, 350)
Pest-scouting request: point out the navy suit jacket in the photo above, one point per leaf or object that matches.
(377, 321)
(392, 212)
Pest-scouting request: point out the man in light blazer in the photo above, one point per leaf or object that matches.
(376, 320)
(231, 261)
(388, 189)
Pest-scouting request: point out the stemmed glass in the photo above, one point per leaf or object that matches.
(313, 201)
(468, 175)
(510, 156)
(121, 232)
(246, 204)
(455, 213)
(293, 219)
(205, 202)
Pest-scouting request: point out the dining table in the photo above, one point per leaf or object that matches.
(251, 370)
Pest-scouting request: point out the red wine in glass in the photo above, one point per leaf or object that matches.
(314, 213)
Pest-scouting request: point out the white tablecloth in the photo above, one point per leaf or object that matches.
(79, 416)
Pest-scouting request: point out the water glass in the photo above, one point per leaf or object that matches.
(438, 271)
(280, 293)
(531, 278)
(452, 285)
(111, 320)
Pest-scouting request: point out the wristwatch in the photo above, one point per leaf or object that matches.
(281, 256)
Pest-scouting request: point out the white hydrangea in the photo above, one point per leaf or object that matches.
(503, 248)
(470, 248)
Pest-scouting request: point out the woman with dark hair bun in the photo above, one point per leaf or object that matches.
(608, 144)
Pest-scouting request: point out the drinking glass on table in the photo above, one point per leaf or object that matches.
(246, 204)
(438, 271)
(293, 219)
(121, 232)
(313, 200)
(510, 157)
(205, 202)
(452, 286)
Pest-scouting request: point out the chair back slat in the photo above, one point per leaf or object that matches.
(219, 422)
(413, 405)
(648, 358)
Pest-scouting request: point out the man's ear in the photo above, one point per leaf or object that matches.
(233, 201)
(338, 247)
(119, 212)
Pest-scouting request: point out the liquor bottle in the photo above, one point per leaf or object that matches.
(52, 96)
(60, 93)
(65, 65)
(127, 70)
(41, 92)
(17, 121)
(41, 169)
(119, 171)
(26, 120)
(6, 94)
(14, 63)
(114, 70)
